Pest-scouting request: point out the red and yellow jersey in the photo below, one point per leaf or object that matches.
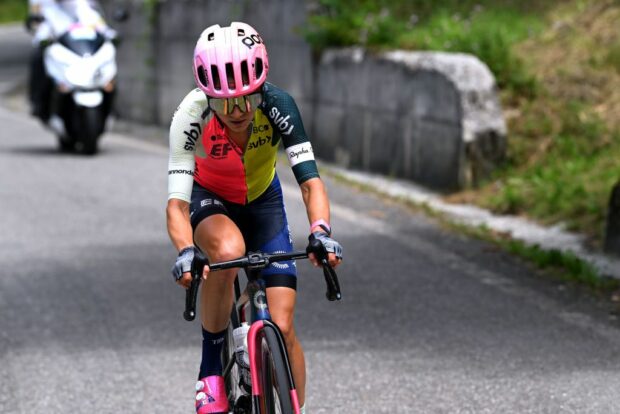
(200, 150)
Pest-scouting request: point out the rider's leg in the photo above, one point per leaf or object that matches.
(281, 302)
(219, 237)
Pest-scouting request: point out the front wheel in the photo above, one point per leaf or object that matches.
(88, 125)
(65, 144)
(275, 376)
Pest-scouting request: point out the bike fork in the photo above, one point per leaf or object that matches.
(254, 343)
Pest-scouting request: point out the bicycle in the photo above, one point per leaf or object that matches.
(272, 387)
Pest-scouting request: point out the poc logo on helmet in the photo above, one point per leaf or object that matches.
(252, 40)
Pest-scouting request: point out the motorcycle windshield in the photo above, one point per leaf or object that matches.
(82, 45)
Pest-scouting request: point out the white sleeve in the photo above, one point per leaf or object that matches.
(185, 137)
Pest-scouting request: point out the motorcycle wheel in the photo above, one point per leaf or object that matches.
(88, 125)
(66, 144)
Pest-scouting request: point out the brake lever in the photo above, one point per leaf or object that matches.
(191, 293)
(331, 279)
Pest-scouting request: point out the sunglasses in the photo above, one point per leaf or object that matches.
(245, 103)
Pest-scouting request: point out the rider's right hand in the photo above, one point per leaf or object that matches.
(181, 271)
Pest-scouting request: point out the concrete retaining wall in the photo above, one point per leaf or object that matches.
(431, 117)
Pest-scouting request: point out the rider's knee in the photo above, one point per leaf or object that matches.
(225, 249)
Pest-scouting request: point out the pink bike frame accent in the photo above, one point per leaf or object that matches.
(252, 346)
(295, 401)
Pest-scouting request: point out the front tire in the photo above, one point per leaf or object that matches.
(66, 144)
(276, 379)
(88, 125)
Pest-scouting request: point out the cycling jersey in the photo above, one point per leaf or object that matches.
(200, 149)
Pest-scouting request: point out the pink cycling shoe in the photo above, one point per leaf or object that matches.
(211, 395)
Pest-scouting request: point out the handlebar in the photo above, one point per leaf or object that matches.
(259, 260)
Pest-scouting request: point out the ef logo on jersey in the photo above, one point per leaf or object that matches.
(220, 147)
(220, 150)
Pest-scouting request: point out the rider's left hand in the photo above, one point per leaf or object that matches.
(333, 248)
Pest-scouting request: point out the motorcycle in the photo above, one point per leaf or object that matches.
(81, 64)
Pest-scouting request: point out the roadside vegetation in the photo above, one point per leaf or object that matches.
(557, 64)
(12, 11)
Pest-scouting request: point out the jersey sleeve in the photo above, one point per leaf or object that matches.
(185, 138)
(286, 120)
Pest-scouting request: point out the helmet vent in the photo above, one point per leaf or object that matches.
(245, 73)
(230, 76)
(211, 36)
(216, 78)
(202, 77)
(240, 32)
(258, 67)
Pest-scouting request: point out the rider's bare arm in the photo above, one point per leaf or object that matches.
(179, 228)
(316, 201)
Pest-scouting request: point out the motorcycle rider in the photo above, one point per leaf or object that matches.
(48, 19)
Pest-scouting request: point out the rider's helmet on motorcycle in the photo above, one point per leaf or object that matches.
(235, 53)
(48, 19)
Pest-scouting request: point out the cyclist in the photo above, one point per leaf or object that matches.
(48, 19)
(224, 196)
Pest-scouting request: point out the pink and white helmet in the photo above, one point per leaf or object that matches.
(235, 52)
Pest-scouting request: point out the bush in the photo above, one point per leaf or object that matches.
(569, 180)
(488, 34)
(348, 23)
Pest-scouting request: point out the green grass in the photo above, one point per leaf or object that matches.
(613, 56)
(13, 11)
(487, 29)
(567, 181)
(487, 34)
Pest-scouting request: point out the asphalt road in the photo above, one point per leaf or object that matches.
(430, 322)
